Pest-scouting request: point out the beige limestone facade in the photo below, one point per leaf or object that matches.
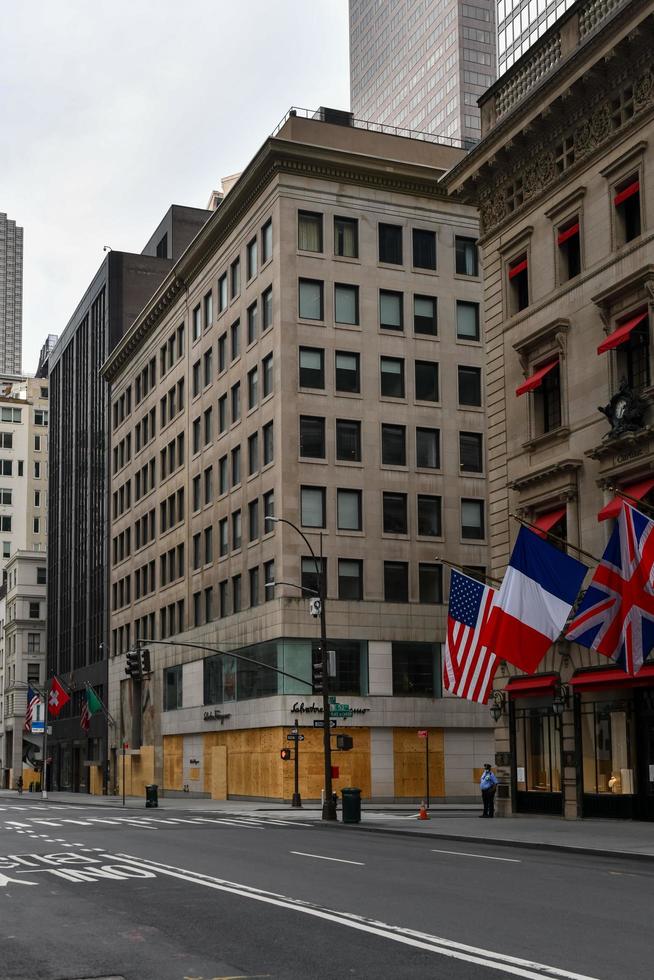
(564, 179)
(315, 355)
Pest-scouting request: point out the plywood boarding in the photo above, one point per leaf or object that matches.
(409, 760)
(173, 757)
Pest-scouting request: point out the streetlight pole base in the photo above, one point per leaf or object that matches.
(329, 810)
(296, 801)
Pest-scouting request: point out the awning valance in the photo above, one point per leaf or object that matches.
(515, 270)
(627, 192)
(635, 490)
(622, 334)
(568, 233)
(532, 687)
(599, 679)
(536, 379)
(544, 522)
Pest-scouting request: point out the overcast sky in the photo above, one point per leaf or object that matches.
(111, 111)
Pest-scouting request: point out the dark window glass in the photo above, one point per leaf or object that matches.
(430, 582)
(466, 256)
(634, 357)
(471, 452)
(253, 453)
(312, 367)
(236, 277)
(268, 443)
(252, 323)
(392, 377)
(222, 352)
(472, 519)
(396, 581)
(569, 245)
(348, 440)
(309, 574)
(346, 237)
(267, 303)
(350, 579)
(347, 371)
(173, 694)
(395, 519)
(416, 669)
(469, 385)
(426, 381)
(627, 207)
(424, 249)
(267, 367)
(429, 516)
(424, 315)
(390, 244)
(312, 436)
(518, 273)
(266, 241)
(349, 655)
(428, 448)
(393, 445)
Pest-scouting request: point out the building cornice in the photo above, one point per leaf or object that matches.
(567, 467)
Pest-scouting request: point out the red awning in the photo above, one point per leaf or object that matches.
(546, 522)
(568, 233)
(599, 679)
(627, 192)
(532, 687)
(515, 270)
(536, 379)
(635, 490)
(622, 334)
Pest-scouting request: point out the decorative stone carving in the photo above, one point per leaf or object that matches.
(625, 411)
(644, 91)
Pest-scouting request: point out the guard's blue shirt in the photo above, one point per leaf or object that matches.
(488, 779)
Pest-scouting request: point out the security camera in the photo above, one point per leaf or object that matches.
(315, 606)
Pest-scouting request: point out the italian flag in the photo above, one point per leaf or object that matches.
(92, 705)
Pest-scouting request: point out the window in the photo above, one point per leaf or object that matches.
(197, 322)
(6, 497)
(394, 510)
(396, 581)
(472, 519)
(268, 510)
(222, 413)
(467, 263)
(268, 443)
(391, 312)
(235, 277)
(429, 516)
(236, 593)
(254, 586)
(266, 302)
(269, 580)
(252, 323)
(222, 353)
(266, 241)
(208, 367)
(253, 520)
(197, 608)
(196, 435)
(222, 594)
(350, 579)
(424, 315)
(312, 437)
(309, 574)
(426, 376)
(208, 310)
(346, 237)
(428, 450)
(7, 441)
(424, 249)
(547, 402)
(471, 452)
(223, 483)
(10, 415)
(197, 556)
(347, 372)
(5, 523)
(267, 369)
(253, 387)
(36, 525)
(172, 688)
(223, 537)
(236, 401)
(208, 426)
(236, 466)
(197, 498)
(416, 669)
(633, 358)
(348, 440)
(518, 273)
(430, 582)
(393, 445)
(627, 209)
(467, 320)
(390, 244)
(346, 304)
(253, 453)
(195, 379)
(235, 339)
(222, 293)
(236, 531)
(251, 259)
(41, 575)
(310, 299)
(34, 644)
(569, 249)
(312, 506)
(469, 385)
(348, 510)
(392, 377)
(309, 231)
(35, 610)
(41, 418)
(312, 367)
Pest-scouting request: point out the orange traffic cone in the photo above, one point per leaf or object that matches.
(423, 815)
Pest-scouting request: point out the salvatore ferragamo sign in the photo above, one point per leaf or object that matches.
(300, 708)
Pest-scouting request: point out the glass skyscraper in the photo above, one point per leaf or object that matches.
(520, 23)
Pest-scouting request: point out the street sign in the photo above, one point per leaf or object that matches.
(342, 714)
(319, 723)
(423, 733)
(294, 737)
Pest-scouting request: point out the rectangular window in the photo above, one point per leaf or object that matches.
(235, 339)
(430, 583)
(424, 315)
(197, 322)
(252, 323)
(222, 413)
(472, 519)
(348, 440)
(222, 353)
(390, 244)
(208, 426)
(467, 320)
(393, 445)
(266, 241)
(312, 367)
(267, 307)
(471, 452)
(391, 310)
(208, 310)
(173, 698)
(346, 304)
(312, 506)
(268, 443)
(236, 593)
(197, 433)
(424, 249)
(428, 453)
(310, 299)
(350, 579)
(547, 402)
(223, 482)
(253, 453)
(269, 580)
(236, 401)
(569, 249)
(627, 209)
(197, 556)
(268, 510)
(222, 293)
(196, 376)
(518, 287)
(469, 385)
(223, 537)
(208, 485)
(395, 513)
(426, 378)
(254, 586)
(208, 545)
(346, 237)
(312, 437)
(35, 610)
(251, 259)
(253, 387)
(235, 277)
(208, 604)
(416, 670)
(347, 371)
(253, 520)
(309, 231)
(348, 510)
(429, 516)
(396, 581)
(267, 370)
(236, 531)
(392, 377)
(467, 263)
(208, 367)
(236, 466)
(309, 574)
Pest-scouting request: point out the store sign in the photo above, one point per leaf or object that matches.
(216, 716)
(300, 708)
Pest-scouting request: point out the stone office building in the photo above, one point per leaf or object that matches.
(315, 355)
(564, 178)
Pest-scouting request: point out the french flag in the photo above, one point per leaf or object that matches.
(535, 598)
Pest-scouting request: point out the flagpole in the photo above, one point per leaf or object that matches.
(555, 537)
(638, 504)
(462, 568)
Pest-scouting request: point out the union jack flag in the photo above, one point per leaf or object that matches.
(33, 699)
(468, 667)
(616, 615)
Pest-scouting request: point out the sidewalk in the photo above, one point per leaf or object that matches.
(448, 822)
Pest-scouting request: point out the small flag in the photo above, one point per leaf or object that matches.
(533, 602)
(468, 666)
(33, 699)
(92, 704)
(616, 615)
(57, 697)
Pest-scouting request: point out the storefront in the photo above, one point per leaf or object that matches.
(535, 729)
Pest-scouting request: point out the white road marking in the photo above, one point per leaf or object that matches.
(323, 857)
(483, 857)
(408, 937)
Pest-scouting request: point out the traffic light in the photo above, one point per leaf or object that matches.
(317, 676)
(285, 754)
(133, 663)
(145, 661)
(344, 742)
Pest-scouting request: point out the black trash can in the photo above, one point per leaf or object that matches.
(351, 802)
(151, 796)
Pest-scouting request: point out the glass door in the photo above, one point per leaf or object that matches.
(645, 728)
(537, 756)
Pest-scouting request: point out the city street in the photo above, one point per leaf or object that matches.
(190, 894)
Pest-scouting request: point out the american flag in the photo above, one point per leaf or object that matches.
(616, 615)
(468, 667)
(33, 699)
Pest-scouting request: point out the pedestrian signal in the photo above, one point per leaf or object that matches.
(285, 754)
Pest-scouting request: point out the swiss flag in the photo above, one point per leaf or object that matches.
(57, 697)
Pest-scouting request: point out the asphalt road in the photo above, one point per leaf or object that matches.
(182, 895)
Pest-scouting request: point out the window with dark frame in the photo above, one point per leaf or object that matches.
(424, 249)
(424, 315)
(312, 367)
(347, 371)
(309, 569)
(518, 284)
(471, 452)
(390, 244)
(626, 202)
(348, 440)
(569, 249)
(467, 320)
(311, 300)
(348, 510)
(312, 507)
(392, 377)
(426, 381)
(428, 448)
(472, 519)
(469, 383)
(466, 258)
(396, 581)
(309, 231)
(312, 437)
(350, 579)
(346, 237)
(391, 310)
(346, 304)
(429, 516)
(633, 357)
(416, 669)
(394, 510)
(430, 583)
(393, 445)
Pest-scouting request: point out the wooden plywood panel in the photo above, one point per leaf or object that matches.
(173, 759)
(219, 780)
(410, 767)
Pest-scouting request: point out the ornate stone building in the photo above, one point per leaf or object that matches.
(564, 179)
